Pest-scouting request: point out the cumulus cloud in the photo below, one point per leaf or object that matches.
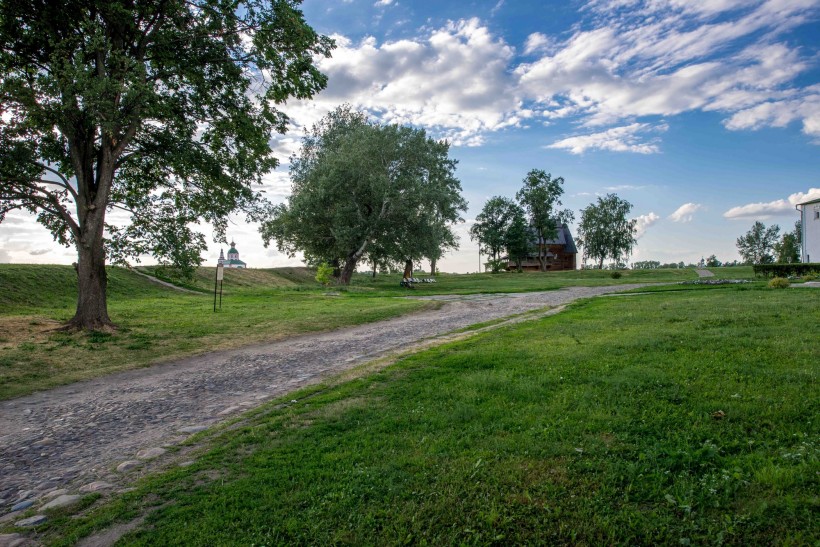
(623, 62)
(628, 138)
(805, 107)
(644, 222)
(453, 81)
(686, 212)
(665, 57)
(764, 210)
(381, 3)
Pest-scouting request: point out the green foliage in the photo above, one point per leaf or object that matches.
(779, 283)
(757, 245)
(540, 196)
(646, 265)
(713, 262)
(158, 109)
(615, 275)
(493, 224)
(662, 419)
(786, 270)
(358, 185)
(788, 248)
(605, 231)
(324, 273)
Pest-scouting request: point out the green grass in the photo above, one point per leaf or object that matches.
(155, 323)
(669, 418)
(517, 282)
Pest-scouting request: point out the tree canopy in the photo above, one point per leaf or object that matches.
(788, 248)
(606, 231)
(360, 186)
(540, 196)
(492, 226)
(757, 245)
(163, 110)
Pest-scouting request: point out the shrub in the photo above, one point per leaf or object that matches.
(778, 283)
(783, 270)
(324, 273)
(615, 275)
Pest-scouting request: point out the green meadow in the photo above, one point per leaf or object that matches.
(675, 417)
(158, 324)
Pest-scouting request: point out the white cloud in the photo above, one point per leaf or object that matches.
(453, 81)
(628, 138)
(626, 60)
(665, 57)
(777, 207)
(686, 212)
(805, 108)
(644, 223)
(536, 42)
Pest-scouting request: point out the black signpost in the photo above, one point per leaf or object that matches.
(220, 272)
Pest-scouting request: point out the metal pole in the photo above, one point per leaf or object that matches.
(216, 278)
(220, 294)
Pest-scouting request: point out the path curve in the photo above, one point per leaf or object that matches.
(72, 435)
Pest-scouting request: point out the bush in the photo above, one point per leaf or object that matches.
(324, 273)
(785, 270)
(615, 275)
(778, 283)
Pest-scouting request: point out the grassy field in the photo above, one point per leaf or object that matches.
(676, 418)
(155, 323)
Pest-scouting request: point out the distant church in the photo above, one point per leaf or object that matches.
(233, 258)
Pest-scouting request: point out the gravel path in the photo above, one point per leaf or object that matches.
(78, 435)
(704, 273)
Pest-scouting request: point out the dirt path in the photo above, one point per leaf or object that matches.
(67, 437)
(704, 273)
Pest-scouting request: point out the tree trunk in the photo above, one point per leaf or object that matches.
(601, 264)
(432, 267)
(408, 269)
(375, 265)
(347, 270)
(92, 281)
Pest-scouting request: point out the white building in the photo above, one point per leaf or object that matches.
(810, 217)
(233, 258)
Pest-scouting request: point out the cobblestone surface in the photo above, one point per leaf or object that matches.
(76, 434)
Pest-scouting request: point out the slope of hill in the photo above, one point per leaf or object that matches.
(238, 280)
(26, 286)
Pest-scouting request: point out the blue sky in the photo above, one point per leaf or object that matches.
(704, 115)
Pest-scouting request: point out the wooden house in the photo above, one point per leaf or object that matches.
(561, 252)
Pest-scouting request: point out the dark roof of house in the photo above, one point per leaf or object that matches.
(563, 237)
(810, 202)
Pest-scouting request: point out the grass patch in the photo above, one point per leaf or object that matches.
(155, 323)
(670, 418)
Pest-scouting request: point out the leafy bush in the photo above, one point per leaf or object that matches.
(785, 270)
(615, 275)
(779, 283)
(324, 273)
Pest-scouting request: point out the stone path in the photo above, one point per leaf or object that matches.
(88, 436)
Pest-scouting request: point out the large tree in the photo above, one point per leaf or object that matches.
(606, 231)
(757, 245)
(518, 239)
(162, 108)
(540, 196)
(358, 185)
(491, 227)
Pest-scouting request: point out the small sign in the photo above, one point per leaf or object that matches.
(220, 272)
